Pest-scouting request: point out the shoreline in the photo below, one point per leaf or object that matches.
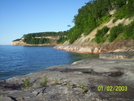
(88, 47)
(80, 46)
(80, 78)
(21, 43)
(110, 55)
(90, 50)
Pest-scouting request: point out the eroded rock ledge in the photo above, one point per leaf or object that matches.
(76, 82)
(92, 47)
(118, 55)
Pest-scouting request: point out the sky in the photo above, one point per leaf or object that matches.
(19, 17)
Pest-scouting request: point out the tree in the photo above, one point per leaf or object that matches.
(68, 25)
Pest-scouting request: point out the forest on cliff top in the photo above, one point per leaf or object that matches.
(97, 12)
(40, 37)
(90, 16)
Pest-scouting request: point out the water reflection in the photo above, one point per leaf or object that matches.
(76, 56)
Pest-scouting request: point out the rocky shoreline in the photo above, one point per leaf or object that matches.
(94, 50)
(81, 81)
(91, 47)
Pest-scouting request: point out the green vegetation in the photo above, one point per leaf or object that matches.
(62, 39)
(56, 82)
(127, 32)
(26, 82)
(74, 33)
(39, 38)
(69, 84)
(42, 34)
(30, 40)
(125, 9)
(115, 31)
(100, 36)
(104, 19)
(83, 86)
(116, 74)
(44, 83)
(85, 91)
(90, 16)
(96, 12)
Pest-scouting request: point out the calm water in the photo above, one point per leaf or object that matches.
(20, 60)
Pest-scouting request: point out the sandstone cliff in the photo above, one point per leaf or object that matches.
(85, 44)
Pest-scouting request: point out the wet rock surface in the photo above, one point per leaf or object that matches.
(85, 80)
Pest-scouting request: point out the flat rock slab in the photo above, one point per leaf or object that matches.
(85, 80)
(118, 55)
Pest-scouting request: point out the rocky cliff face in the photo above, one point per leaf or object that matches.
(85, 44)
(92, 47)
(18, 43)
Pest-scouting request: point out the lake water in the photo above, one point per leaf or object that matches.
(20, 60)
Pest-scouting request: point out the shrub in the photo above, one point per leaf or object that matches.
(73, 34)
(126, 10)
(44, 83)
(56, 82)
(69, 84)
(115, 31)
(88, 30)
(104, 19)
(73, 38)
(129, 31)
(100, 36)
(26, 82)
(83, 86)
(62, 39)
(114, 20)
(85, 91)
